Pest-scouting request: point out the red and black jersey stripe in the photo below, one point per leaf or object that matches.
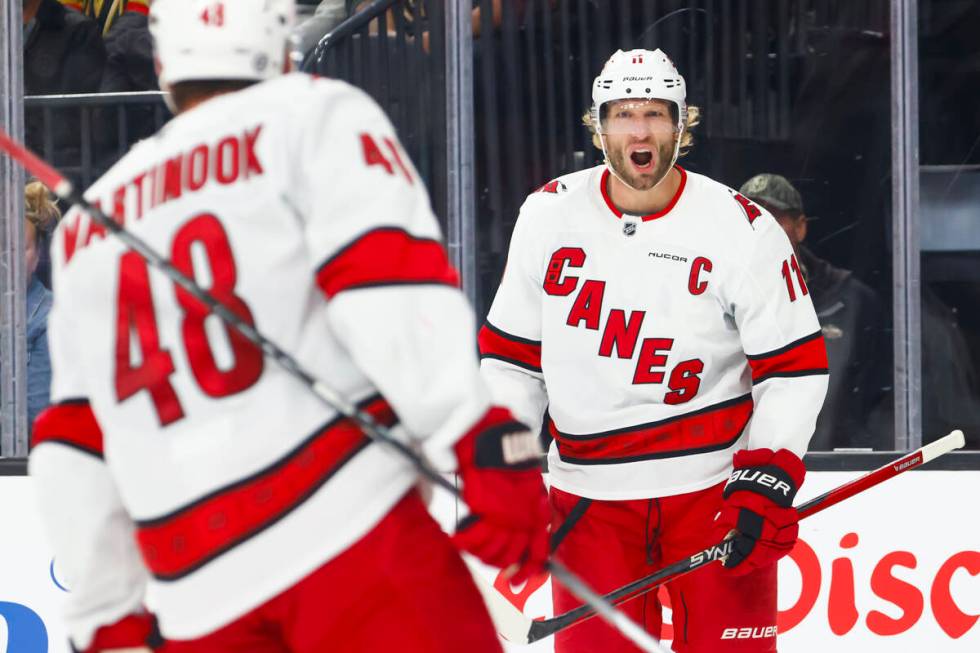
(176, 544)
(386, 256)
(709, 429)
(498, 344)
(804, 357)
(71, 423)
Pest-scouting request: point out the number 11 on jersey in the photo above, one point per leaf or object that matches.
(787, 265)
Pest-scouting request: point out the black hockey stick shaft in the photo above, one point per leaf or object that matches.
(64, 189)
(912, 460)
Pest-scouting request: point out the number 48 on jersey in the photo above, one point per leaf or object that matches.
(142, 363)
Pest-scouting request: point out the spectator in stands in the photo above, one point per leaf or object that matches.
(850, 315)
(63, 54)
(414, 15)
(326, 17)
(129, 66)
(63, 51)
(41, 215)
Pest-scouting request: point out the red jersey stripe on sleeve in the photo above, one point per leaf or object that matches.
(383, 257)
(71, 423)
(804, 357)
(501, 345)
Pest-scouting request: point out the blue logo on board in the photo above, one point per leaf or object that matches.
(25, 632)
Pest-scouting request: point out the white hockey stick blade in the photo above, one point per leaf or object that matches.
(945, 444)
(511, 624)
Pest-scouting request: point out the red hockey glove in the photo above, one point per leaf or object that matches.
(759, 507)
(135, 632)
(500, 466)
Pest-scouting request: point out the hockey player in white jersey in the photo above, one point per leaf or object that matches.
(178, 469)
(663, 320)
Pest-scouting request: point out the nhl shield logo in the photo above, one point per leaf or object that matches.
(629, 228)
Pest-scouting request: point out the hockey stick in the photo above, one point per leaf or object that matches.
(64, 189)
(515, 627)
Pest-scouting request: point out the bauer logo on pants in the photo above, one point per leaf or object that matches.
(749, 633)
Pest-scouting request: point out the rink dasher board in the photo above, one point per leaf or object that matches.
(909, 546)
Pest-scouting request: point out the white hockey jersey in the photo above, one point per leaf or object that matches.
(294, 202)
(660, 344)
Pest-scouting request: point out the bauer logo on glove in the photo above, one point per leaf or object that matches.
(770, 481)
(758, 508)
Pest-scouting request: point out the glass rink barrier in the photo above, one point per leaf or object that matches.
(855, 122)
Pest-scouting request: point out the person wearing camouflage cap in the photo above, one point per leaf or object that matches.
(849, 313)
(776, 194)
(773, 190)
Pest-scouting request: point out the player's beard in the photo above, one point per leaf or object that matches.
(620, 164)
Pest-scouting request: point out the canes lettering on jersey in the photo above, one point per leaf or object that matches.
(554, 283)
(619, 332)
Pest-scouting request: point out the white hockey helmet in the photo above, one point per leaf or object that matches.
(220, 39)
(639, 74)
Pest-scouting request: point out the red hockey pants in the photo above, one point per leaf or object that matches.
(402, 587)
(615, 542)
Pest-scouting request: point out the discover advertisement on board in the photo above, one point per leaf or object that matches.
(896, 568)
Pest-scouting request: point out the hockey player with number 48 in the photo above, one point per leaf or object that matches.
(663, 320)
(181, 470)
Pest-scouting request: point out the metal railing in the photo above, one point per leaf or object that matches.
(13, 311)
(85, 134)
(395, 50)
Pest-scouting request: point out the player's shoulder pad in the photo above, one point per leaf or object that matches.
(564, 184)
(304, 83)
(295, 95)
(554, 186)
(555, 191)
(736, 211)
(750, 209)
(327, 88)
(337, 103)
